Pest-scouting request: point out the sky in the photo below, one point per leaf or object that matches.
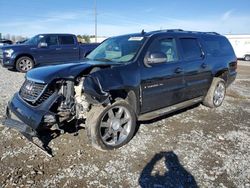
(116, 17)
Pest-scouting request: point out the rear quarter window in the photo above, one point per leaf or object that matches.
(66, 40)
(218, 46)
(191, 49)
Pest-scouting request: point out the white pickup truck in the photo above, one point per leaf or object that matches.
(241, 45)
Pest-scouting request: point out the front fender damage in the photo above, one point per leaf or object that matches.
(93, 91)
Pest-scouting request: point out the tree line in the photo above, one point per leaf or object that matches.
(84, 38)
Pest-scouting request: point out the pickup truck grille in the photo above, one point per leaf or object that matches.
(32, 91)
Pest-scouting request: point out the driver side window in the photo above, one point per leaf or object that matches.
(166, 46)
(50, 40)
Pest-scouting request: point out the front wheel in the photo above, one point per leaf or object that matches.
(24, 64)
(111, 127)
(215, 94)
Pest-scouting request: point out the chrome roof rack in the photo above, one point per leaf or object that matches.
(182, 31)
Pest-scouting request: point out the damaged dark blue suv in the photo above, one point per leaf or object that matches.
(125, 79)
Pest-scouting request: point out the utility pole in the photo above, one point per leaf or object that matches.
(95, 12)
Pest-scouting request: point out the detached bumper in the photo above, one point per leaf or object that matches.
(12, 121)
(24, 117)
(23, 112)
(28, 120)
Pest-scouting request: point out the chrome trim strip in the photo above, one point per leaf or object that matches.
(35, 80)
(169, 109)
(34, 100)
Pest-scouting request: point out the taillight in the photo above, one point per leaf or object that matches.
(233, 65)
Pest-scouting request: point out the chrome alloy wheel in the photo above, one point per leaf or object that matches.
(115, 125)
(25, 65)
(219, 94)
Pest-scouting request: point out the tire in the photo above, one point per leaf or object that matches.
(247, 58)
(105, 129)
(215, 94)
(24, 64)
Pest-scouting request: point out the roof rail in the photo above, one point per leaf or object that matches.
(174, 30)
(168, 30)
(214, 33)
(184, 31)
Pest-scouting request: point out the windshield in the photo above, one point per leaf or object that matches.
(118, 49)
(33, 41)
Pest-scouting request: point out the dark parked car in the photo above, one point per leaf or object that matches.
(21, 41)
(4, 42)
(44, 49)
(125, 79)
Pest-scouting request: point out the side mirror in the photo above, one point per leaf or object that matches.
(155, 58)
(42, 45)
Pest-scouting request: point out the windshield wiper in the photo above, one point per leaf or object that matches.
(103, 59)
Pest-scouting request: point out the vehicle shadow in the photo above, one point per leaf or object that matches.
(12, 70)
(175, 174)
(45, 137)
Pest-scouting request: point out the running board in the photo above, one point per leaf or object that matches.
(169, 109)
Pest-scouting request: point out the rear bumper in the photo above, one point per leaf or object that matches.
(231, 78)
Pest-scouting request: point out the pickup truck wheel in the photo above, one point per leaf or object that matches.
(247, 58)
(24, 64)
(111, 127)
(216, 93)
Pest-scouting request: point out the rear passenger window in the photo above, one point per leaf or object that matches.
(166, 46)
(218, 46)
(191, 49)
(66, 40)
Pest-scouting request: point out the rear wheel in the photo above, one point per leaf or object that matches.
(111, 127)
(247, 58)
(24, 64)
(215, 94)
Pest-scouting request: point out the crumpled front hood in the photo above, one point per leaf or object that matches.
(47, 74)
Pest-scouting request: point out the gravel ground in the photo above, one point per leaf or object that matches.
(198, 147)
